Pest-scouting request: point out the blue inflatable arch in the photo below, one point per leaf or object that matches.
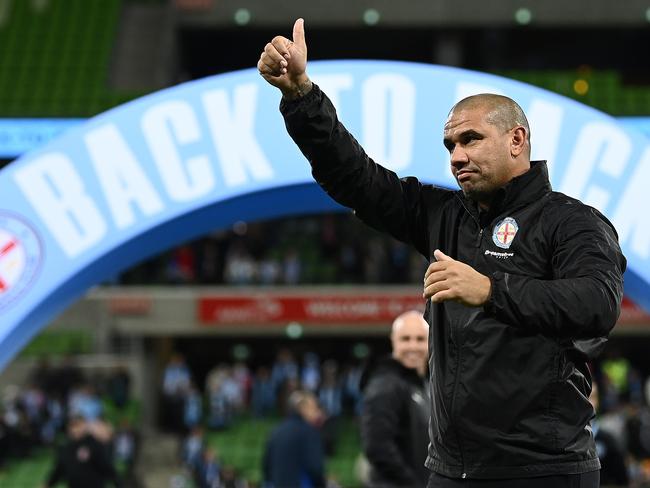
(200, 156)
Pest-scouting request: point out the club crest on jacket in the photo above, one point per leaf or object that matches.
(504, 232)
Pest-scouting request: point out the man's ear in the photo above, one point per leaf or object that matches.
(518, 141)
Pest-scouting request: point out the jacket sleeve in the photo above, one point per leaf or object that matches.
(380, 428)
(343, 169)
(583, 298)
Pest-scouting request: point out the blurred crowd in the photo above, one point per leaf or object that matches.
(65, 409)
(89, 422)
(621, 396)
(622, 423)
(311, 250)
(233, 390)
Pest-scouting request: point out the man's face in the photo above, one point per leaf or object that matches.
(310, 411)
(479, 153)
(77, 429)
(410, 340)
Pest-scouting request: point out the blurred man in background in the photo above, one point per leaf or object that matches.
(84, 459)
(294, 455)
(396, 406)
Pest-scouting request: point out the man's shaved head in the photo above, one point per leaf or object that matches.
(502, 112)
(409, 338)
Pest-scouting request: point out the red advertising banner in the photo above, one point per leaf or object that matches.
(130, 305)
(632, 314)
(305, 309)
(329, 308)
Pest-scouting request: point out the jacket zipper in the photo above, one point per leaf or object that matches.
(479, 238)
(453, 411)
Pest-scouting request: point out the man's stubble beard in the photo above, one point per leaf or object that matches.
(478, 195)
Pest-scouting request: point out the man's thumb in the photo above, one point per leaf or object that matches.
(299, 33)
(441, 256)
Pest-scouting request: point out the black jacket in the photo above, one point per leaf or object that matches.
(509, 380)
(294, 456)
(83, 463)
(394, 423)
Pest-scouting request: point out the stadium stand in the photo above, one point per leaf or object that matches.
(56, 58)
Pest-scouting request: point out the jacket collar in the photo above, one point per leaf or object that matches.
(387, 365)
(518, 192)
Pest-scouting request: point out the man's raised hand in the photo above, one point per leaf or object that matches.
(283, 63)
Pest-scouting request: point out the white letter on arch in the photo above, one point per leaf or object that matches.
(231, 126)
(601, 145)
(121, 176)
(57, 193)
(388, 102)
(166, 126)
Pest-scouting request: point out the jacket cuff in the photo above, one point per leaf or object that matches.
(496, 280)
(288, 107)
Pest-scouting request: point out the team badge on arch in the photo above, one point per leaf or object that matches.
(20, 257)
(505, 232)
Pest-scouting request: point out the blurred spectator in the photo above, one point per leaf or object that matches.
(181, 267)
(209, 271)
(270, 271)
(613, 471)
(292, 267)
(400, 255)
(396, 403)
(215, 377)
(66, 377)
(176, 382)
(83, 460)
(233, 390)
(192, 408)
(18, 436)
(375, 259)
(54, 420)
(192, 448)
(84, 402)
(263, 393)
(330, 393)
(231, 479)
(637, 430)
(118, 387)
(34, 403)
(219, 408)
(620, 380)
(284, 370)
(207, 473)
(242, 377)
(125, 446)
(349, 263)
(294, 455)
(352, 388)
(310, 377)
(241, 268)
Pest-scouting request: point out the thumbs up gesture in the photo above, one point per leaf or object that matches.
(448, 279)
(283, 63)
